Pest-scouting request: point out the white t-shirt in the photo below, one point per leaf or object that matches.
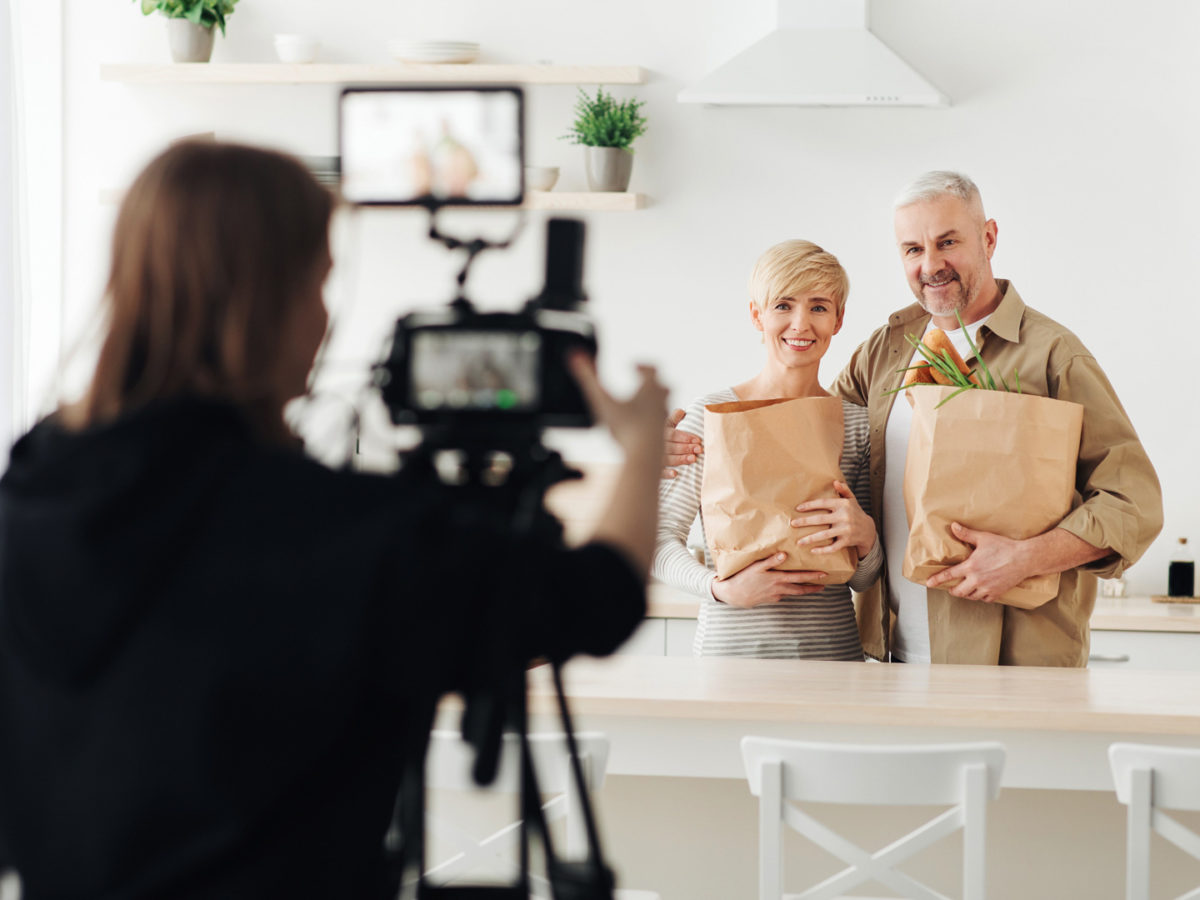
(910, 640)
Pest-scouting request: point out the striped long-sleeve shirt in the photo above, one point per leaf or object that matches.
(819, 625)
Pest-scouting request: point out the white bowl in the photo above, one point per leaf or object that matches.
(296, 48)
(540, 178)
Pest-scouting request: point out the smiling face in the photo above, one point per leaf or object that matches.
(946, 247)
(797, 329)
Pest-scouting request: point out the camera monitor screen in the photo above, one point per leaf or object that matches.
(417, 146)
(475, 370)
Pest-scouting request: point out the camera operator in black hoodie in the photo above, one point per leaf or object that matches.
(214, 652)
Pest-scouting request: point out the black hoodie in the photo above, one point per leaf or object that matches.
(213, 655)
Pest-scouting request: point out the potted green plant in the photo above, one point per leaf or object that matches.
(190, 25)
(606, 127)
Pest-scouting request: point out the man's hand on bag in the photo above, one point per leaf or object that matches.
(996, 565)
(846, 524)
(760, 583)
(682, 447)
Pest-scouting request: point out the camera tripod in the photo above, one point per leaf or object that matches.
(502, 480)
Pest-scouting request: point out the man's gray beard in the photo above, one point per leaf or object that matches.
(960, 303)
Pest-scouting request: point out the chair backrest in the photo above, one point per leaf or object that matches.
(1150, 779)
(783, 772)
(880, 775)
(1176, 773)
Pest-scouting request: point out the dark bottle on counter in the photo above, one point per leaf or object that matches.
(1181, 574)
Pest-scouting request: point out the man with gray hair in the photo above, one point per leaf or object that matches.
(946, 244)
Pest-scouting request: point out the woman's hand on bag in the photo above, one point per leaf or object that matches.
(846, 523)
(682, 447)
(761, 583)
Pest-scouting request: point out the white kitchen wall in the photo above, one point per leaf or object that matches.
(8, 342)
(1077, 118)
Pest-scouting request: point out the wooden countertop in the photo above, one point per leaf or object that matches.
(1111, 614)
(1143, 614)
(666, 602)
(682, 716)
(995, 697)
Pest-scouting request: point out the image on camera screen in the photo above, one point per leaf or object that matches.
(406, 146)
(475, 370)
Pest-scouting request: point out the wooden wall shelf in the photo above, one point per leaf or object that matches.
(579, 201)
(396, 73)
(367, 73)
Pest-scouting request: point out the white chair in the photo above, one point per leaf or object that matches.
(1150, 779)
(449, 768)
(783, 773)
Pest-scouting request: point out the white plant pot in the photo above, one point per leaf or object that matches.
(608, 168)
(189, 43)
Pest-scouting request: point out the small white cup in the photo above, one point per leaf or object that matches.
(296, 48)
(540, 178)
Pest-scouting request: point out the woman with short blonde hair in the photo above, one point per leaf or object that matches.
(798, 295)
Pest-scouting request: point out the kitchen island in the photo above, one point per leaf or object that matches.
(670, 716)
(678, 817)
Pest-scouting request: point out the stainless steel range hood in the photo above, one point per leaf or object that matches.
(820, 53)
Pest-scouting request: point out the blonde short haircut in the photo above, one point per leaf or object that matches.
(798, 267)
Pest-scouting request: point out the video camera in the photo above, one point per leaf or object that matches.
(460, 368)
(482, 386)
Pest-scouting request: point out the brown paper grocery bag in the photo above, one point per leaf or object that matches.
(992, 460)
(761, 459)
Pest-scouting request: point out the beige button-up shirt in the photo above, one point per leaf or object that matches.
(1117, 505)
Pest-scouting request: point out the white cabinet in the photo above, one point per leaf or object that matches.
(1145, 650)
(681, 633)
(1110, 649)
(650, 639)
(661, 637)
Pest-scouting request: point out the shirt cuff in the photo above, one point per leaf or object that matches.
(1085, 526)
(711, 581)
(874, 556)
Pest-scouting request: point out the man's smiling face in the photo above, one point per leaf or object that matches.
(946, 247)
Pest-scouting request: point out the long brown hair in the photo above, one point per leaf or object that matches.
(212, 243)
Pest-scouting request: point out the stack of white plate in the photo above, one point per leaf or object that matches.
(433, 51)
(326, 170)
